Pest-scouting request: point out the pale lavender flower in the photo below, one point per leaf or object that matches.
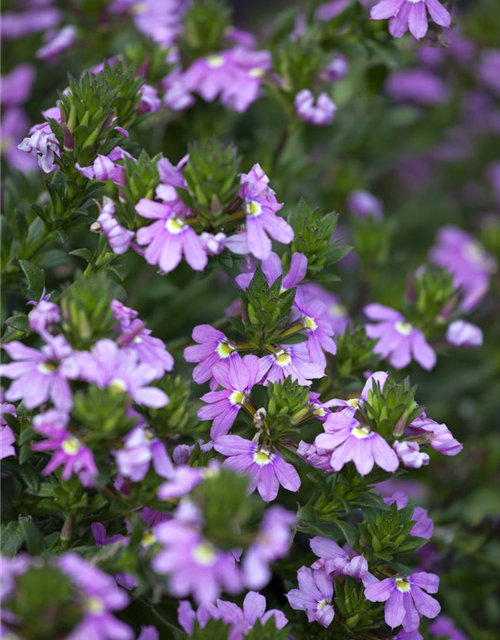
(424, 526)
(109, 366)
(317, 458)
(340, 561)
(41, 375)
(242, 620)
(467, 260)
(237, 377)
(336, 312)
(314, 595)
(16, 85)
(313, 316)
(438, 435)
(417, 85)
(43, 146)
(169, 238)
(182, 481)
(56, 42)
(137, 338)
(160, 21)
(336, 69)
(410, 455)
(193, 564)
(261, 206)
(319, 111)
(489, 69)
(43, 315)
(213, 244)
(13, 127)
(329, 10)
(364, 204)
(271, 543)
(68, 450)
(398, 340)
(118, 237)
(262, 463)
(405, 599)
(350, 406)
(150, 102)
(7, 439)
(412, 15)
(213, 347)
(17, 25)
(139, 450)
(445, 627)
(464, 334)
(273, 269)
(102, 597)
(106, 167)
(290, 361)
(349, 440)
(149, 633)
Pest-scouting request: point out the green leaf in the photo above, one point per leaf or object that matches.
(35, 277)
(85, 254)
(19, 322)
(32, 537)
(11, 539)
(349, 531)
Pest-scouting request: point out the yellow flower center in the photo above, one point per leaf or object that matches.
(118, 385)
(204, 554)
(148, 539)
(256, 72)
(253, 208)
(263, 457)
(402, 584)
(282, 358)
(175, 225)
(215, 61)
(95, 606)
(137, 340)
(338, 310)
(322, 603)
(404, 328)
(46, 368)
(353, 402)
(71, 446)
(309, 323)
(318, 410)
(237, 398)
(361, 432)
(224, 349)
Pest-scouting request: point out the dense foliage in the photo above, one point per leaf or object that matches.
(250, 315)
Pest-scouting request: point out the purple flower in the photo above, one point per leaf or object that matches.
(14, 125)
(340, 561)
(237, 376)
(349, 440)
(260, 206)
(139, 450)
(160, 21)
(17, 25)
(410, 455)
(417, 85)
(317, 458)
(135, 337)
(169, 238)
(467, 260)
(271, 543)
(424, 526)
(68, 450)
(109, 366)
(313, 315)
(464, 334)
(445, 627)
(314, 595)
(398, 340)
(7, 440)
(290, 360)
(273, 269)
(106, 168)
(118, 237)
(213, 244)
(364, 204)
(319, 111)
(182, 481)
(43, 146)
(149, 633)
(405, 599)
(41, 375)
(438, 435)
(193, 564)
(350, 406)
(16, 85)
(102, 597)
(489, 69)
(43, 315)
(213, 347)
(336, 69)
(410, 14)
(150, 102)
(337, 314)
(56, 42)
(262, 463)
